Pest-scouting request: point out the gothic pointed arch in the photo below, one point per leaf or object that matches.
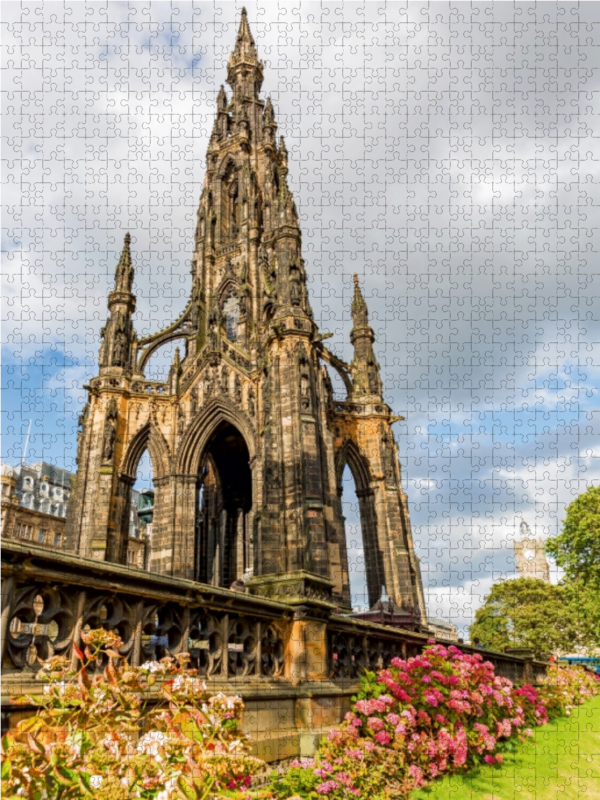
(216, 411)
(349, 453)
(227, 166)
(150, 438)
(229, 285)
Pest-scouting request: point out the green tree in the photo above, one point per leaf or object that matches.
(577, 548)
(527, 613)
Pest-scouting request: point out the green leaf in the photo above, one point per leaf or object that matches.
(186, 788)
(6, 769)
(67, 777)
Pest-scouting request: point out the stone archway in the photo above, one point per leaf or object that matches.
(223, 547)
(350, 455)
(147, 439)
(214, 457)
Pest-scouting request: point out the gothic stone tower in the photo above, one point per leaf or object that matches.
(247, 444)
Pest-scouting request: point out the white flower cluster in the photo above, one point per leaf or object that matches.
(189, 683)
(154, 667)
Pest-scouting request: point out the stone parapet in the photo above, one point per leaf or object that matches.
(296, 665)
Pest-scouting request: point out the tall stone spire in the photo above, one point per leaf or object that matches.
(118, 334)
(364, 368)
(124, 271)
(244, 70)
(247, 446)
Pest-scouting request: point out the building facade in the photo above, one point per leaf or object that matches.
(34, 503)
(248, 445)
(43, 487)
(24, 522)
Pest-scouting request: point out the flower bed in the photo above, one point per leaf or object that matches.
(100, 731)
(98, 734)
(440, 712)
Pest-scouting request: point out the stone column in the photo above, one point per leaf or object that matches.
(306, 657)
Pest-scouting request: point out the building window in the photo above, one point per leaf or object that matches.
(41, 536)
(5, 488)
(57, 539)
(23, 531)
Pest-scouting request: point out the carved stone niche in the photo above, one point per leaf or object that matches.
(41, 626)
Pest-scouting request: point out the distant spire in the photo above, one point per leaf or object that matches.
(124, 271)
(244, 70)
(244, 40)
(360, 313)
(364, 369)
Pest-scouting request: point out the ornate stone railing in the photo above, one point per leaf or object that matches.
(296, 664)
(49, 598)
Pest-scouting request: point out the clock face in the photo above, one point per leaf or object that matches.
(529, 554)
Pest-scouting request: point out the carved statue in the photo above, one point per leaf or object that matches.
(212, 339)
(225, 380)
(193, 401)
(195, 311)
(119, 349)
(263, 256)
(305, 392)
(251, 402)
(110, 436)
(295, 292)
(243, 297)
(238, 390)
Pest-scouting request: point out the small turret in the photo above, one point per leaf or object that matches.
(244, 70)
(364, 368)
(124, 271)
(118, 333)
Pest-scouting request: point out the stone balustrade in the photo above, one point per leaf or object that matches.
(295, 664)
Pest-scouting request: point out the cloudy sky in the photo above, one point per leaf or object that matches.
(447, 153)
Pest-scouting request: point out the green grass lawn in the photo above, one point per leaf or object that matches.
(562, 761)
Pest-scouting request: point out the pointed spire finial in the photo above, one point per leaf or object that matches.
(244, 35)
(360, 314)
(124, 271)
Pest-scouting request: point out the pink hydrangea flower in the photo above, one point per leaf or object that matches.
(382, 737)
(327, 787)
